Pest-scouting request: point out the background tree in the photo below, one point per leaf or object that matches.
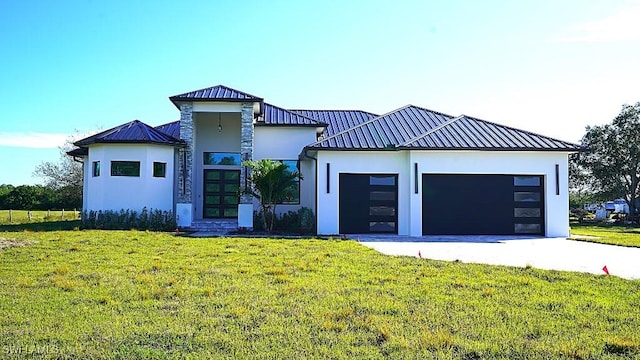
(29, 197)
(612, 162)
(271, 182)
(64, 176)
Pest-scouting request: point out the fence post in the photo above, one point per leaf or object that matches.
(62, 214)
(10, 216)
(29, 215)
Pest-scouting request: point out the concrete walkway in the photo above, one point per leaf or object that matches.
(542, 253)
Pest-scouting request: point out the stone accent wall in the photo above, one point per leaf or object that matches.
(246, 145)
(185, 157)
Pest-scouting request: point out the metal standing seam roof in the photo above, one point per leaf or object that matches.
(413, 127)
(132, 132)
(338, 120)
(215, 93)
(466, 132)
(172, 129)
(274, 115)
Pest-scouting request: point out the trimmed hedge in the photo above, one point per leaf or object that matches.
(147, 219)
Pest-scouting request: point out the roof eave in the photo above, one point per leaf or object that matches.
(167, 143)
(320, 125)
(177, 99)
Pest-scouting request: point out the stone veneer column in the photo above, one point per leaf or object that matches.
(184, 204)
(245, 208)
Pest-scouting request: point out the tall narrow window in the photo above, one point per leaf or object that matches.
(95, 169)
(125, 168)
(159, 169)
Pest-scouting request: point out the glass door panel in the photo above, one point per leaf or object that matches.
(221, 193)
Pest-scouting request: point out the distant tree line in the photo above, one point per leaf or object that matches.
(62, 187)
(37, 197)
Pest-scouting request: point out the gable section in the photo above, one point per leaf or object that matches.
(413, 127)
(386, 131)
(218, 92)
(132, 132)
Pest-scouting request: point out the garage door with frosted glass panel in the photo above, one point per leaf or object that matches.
(482, 204)
(368, 203)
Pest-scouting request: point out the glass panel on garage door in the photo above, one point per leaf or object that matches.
(368, 203)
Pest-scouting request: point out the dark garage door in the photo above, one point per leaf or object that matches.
(368, 203)
(482, 204)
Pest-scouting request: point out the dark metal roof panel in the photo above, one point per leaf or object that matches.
(472, 133)
(80, 151)
(216, 93)
(337, 120)
(132, 132)
(412, 127)
(274, 115)
(172, 129)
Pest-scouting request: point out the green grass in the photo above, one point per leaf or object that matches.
(607, 234)
(40, 220)
(21, 216)
(129, 294)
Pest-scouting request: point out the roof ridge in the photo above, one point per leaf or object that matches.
(433, 111)
(354, 110)
(219, 85)
(431, 131)
(530, 133)
(361, 124)
(291, 112)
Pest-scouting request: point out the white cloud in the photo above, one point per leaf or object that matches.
(32, 140)
(623, 26)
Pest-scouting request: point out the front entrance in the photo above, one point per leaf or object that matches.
(221, 193)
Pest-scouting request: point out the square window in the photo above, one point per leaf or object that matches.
(159, 169)
(95, 168)
(125, 168)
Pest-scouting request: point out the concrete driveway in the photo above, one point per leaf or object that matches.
(542, 253)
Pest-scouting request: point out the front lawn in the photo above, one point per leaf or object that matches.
(607, 234)
(130, 294)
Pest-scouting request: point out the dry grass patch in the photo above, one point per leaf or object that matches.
(6, 243)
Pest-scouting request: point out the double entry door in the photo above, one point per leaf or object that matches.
(221, 193)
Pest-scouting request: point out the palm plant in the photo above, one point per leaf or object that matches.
(272, 183)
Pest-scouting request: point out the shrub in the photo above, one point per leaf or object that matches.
(301, 221)
(147, 219)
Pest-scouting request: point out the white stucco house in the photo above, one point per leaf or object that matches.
(411, 171)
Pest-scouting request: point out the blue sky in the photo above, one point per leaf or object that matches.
(551, 67)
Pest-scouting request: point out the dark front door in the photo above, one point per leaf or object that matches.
(368, 203)
(221, 193)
